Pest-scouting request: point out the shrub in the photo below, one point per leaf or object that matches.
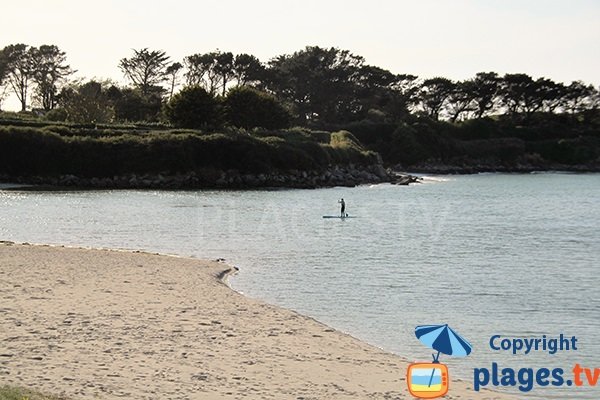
(87, 103)
(132, 105)
(249, 108)
(56, 115)
(193, 108)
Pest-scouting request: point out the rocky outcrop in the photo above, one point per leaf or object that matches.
(350, 175)
(400, 178)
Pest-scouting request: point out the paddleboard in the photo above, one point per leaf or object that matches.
(338, 216)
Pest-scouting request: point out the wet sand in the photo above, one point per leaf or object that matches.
(106, 324)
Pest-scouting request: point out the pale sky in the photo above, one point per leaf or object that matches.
(451, 38)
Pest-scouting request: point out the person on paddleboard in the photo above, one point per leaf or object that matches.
(343, 208)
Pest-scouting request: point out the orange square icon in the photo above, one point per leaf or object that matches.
(427, 380)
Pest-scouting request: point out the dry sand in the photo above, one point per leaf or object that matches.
(109, 324)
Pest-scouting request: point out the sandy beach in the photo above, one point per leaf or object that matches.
(106, 324)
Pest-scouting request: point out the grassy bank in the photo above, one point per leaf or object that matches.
(42, 149)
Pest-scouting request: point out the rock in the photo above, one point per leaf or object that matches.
(334, 175)
(401, 179)
(380, 171)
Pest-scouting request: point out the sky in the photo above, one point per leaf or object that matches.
(456, 39)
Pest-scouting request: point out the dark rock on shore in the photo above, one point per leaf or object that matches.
(349, 176)
(399, 178)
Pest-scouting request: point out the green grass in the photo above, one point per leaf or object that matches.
(16, 393)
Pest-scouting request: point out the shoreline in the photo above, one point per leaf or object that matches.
(458, 169)
(348, 175)
(80, 322)
(313, 180)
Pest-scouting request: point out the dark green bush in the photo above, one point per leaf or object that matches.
(569, 151)
(503, 149)
(249, 108)
(56, 115)
(193, 108)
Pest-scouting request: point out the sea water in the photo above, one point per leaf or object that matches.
(490, 254)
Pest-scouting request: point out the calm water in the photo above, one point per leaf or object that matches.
(515, 255)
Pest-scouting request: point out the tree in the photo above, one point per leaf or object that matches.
(521, 94)
(247, 69)
(20, 70)
(578, 96)
(592, 112)
(49, 71)
(131, 105)
(552, 94)
(3, 67)
(319, 84)
(3, 76)
(433, 94)
(484, 90)
(146, 69)
(405, 96)
(173, 72)
(248, 108)
(87, 103)
(224, 69)
(213, 71)
(201, 71)
(461, 99)
(3, 95)
(194, 108)
(377, 91)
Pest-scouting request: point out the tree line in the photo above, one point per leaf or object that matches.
(44, 68)
(311, 87)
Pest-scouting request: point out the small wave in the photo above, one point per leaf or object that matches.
(427, 178)
(553, 172)
(12, 186)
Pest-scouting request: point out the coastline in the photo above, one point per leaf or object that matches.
(351, 176)
(469, 169)
(81, 322)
